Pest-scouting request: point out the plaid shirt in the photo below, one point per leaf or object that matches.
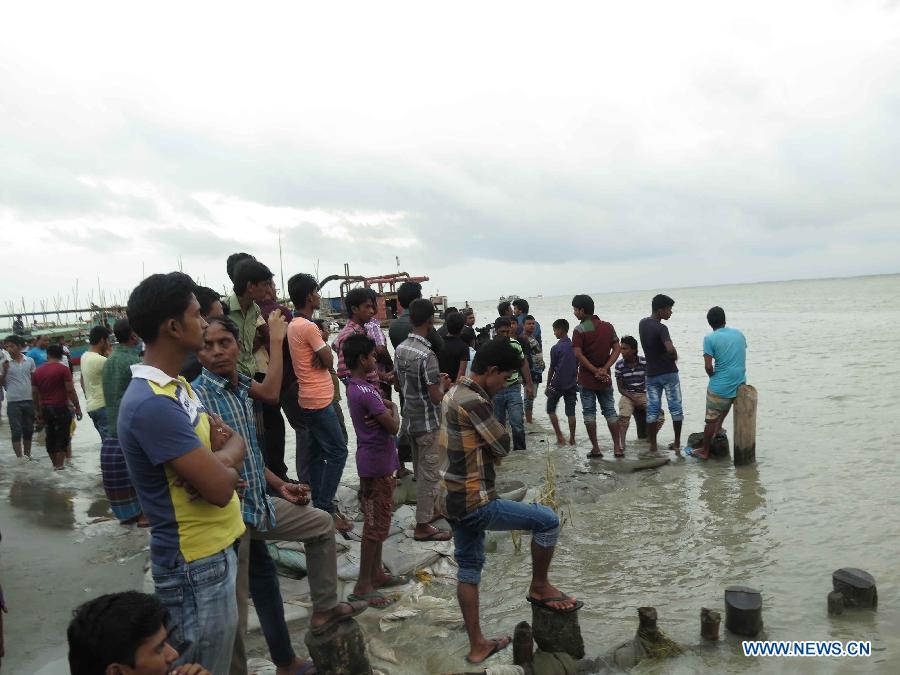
(235, 407)
(116, 376)
(416, 367)
(470, 439)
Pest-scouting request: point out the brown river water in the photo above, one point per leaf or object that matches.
(823, 495)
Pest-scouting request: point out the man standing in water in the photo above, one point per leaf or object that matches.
(596, 348)
(92, 362)
(15, 376)
(473, 442)
(508, 399)
(725, 359)
(38, 351)
(54, 399)
(662, 371)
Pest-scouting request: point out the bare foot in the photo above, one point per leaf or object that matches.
(560, 440)
(483, 650)
(571, 440)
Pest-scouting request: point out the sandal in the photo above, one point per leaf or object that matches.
(355, 610)
(386, 601)
(499, 645)
(436, 535)
(595, 455)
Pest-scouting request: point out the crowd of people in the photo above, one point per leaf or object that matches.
(191, 401)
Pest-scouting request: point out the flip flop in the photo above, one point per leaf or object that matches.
(374, 595)
(335, 620)
(542, 603)
(595, 455)
(499, 645)
(436, 535)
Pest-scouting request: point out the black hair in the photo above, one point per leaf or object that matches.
(95, 337)
(467, 335)
(528, 317)
(497, 353)
(407, 292)
(420, 310)
(630, 341)
(355, 347)
(300, 286)
(250, 271)
(228, 324)
(122, 331)
(233, 261)
(320, 323)
(110, 629)
(562, 324)
(55, 351)
(467, 311)
(716, 317)
(356, 297)
(584, 303)
(206, 297)
(661, 302)
(450, 311)
(521, 304)
(502, 321)
(503, 308)
(454, 322)
(15, 339)
(157, 299)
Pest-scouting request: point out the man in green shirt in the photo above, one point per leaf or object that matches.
(509, 399)
(251, 284)
(116, 375)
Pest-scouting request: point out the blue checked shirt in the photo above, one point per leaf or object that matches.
(234, 405)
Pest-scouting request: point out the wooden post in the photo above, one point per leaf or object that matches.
(743, 610)
(557, 631)
(523, 646)
(836, 603)
(709, 624)
(745, 425)
(857, 586)
(341, 651)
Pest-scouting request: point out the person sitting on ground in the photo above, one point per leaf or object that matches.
(423, 387)
(123, 499)
(185, 466)
(55, 400)
(631, 381)
(725, 359)
(508, 400)
(15, 377)
(325, 452)
(562, 381)
(596, 347)
(454, 357)
(662, 371)
(376, 422)
(229, 394)
(92, 362)
(473, 443)
(535, 362)
(124, 634)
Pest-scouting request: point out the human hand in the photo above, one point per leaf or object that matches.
(79, 415)
(5, 366)
(295, 493)
(277, 327)
(372, 423)
(219, 432)
(445, 381)
(192, 493)
(529, 390)
(189, 669)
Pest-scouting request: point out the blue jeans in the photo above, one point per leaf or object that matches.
(327, 454)
(266, 594)
(671, 384)
(98, 417)
(589, 399)
(202, 604)
(509, 400)
(499, 514)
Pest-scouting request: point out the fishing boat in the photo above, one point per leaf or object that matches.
(75, 332)
(508, 298)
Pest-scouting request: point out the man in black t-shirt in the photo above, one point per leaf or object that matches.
(662, 371)
(453, 358)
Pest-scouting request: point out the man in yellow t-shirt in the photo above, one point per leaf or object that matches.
(92, 378)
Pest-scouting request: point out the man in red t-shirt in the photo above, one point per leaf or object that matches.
(54, 399)
(596, 348)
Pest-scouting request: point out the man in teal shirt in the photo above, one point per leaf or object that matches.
(725, 358)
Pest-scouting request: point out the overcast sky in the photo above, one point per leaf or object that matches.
(496, 147)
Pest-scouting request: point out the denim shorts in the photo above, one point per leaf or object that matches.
(570, 397)
(589, 399)
(656, 385)
(499, 514)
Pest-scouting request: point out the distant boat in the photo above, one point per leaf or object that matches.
(508, 298)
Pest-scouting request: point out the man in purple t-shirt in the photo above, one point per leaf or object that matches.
(376, 423)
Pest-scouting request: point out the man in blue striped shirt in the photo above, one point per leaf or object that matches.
(228, 393)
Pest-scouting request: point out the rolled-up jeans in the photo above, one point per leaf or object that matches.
(509, 400)
(327, 454)
(499, 514)
(656, 385)
(200, 597)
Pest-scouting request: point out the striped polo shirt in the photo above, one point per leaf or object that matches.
(634, 376)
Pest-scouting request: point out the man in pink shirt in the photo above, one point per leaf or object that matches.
(312, 358)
